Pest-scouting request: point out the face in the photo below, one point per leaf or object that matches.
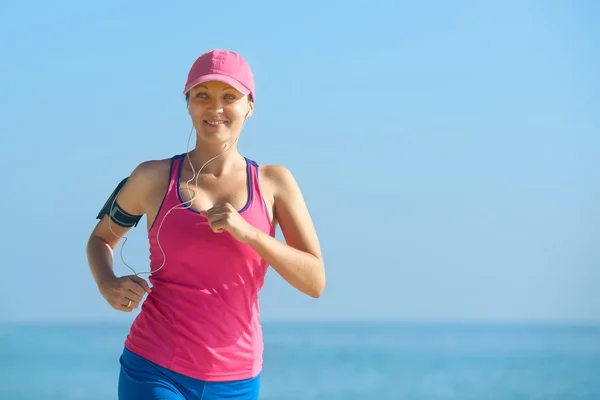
(218, 111)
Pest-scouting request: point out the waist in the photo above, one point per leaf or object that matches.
(199, 335)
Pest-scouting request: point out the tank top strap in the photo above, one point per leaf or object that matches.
(174, 174)
(257, 201)
(171, 197)
(253, 184)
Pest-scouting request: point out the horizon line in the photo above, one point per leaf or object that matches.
(340, 321)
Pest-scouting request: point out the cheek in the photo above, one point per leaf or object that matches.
(196, 113)
(237, 112)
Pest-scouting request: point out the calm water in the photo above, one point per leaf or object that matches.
(307, 362)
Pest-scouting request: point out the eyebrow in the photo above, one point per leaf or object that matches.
(226, 88)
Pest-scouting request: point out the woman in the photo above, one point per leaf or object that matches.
(211, 217)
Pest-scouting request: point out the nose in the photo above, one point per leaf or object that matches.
(215, 104)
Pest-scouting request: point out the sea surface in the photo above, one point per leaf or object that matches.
(333, 361)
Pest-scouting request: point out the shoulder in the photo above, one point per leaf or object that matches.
(147, 180)
(279, 178)
(276, 172)
(150, 171)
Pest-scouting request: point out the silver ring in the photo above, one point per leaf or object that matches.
(129, 305)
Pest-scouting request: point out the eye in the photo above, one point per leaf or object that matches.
(201, 95)
(229, 97)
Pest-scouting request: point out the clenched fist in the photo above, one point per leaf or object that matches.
(224, 217)
(124, 293)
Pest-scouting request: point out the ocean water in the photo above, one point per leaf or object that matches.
(333, 361)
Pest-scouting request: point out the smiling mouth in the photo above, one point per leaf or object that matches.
(215, 123)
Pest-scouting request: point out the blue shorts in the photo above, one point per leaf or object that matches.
(141, 379)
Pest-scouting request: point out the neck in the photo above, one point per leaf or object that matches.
(203, 152)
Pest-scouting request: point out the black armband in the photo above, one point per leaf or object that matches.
(115, 212)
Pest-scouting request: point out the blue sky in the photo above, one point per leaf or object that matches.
(449, 152)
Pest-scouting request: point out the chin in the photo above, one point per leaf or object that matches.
(215, 137)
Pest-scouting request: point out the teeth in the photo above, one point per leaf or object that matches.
(215, 122)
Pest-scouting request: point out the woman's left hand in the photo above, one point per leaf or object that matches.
(224, 217)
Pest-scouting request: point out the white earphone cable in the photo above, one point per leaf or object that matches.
(195, 175)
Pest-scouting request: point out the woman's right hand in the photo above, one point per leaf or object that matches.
(124, 293)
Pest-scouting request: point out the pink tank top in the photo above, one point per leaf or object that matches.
(202, 317)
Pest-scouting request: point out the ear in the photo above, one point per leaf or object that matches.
(187, 102)
(250, 109)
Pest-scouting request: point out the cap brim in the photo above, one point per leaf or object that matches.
(217, 77)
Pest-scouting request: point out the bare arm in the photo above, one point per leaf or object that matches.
(299, 260)
(105, 239)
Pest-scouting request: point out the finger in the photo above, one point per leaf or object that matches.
(218, 226)
(133, 296)
(129, 303)
(223, 206)
(132, 286)
(142, 283)
(213, 211)
(215, 218)
(121, 307)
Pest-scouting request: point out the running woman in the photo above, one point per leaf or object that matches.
(211, 216)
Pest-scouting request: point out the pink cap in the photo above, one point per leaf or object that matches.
(224, 66)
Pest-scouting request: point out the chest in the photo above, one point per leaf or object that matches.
(205, 191)
(197, 256)
(202, 194)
